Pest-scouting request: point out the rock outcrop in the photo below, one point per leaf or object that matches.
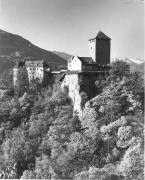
(76, 84)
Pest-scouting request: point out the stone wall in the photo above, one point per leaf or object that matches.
(74, 64)
(92, 49)
(15, 76)
(103, 51)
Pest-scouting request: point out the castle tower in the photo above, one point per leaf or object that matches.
(99, 48)
(18, 65)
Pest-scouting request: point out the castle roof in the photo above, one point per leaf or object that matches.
(31, 63)
(19, 64)
(35, 63)
(100, 35)
(86, 60)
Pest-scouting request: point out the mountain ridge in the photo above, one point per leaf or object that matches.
(13, 48)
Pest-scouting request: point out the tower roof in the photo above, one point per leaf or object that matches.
(36, 63)
(19, 64)
(86, 60)
(100, 35)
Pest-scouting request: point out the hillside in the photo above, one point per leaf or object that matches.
(63, 55)
(14, 47)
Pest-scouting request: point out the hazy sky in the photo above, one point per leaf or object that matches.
(66, 25)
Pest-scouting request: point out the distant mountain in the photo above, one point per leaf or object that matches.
(14, 47)
(63, 55)
(136, 64)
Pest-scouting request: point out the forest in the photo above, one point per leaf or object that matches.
(41, 138)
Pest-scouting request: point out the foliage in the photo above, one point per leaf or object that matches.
(112, 126)
(6, 79)
(42, 138)
(119, 70)
(84, 99)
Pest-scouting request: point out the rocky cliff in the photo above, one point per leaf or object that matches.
(71, 83)
(81, 87)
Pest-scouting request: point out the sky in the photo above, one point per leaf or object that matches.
(66, 25)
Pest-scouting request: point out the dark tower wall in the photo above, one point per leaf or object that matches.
(102, 51)
(99, 48)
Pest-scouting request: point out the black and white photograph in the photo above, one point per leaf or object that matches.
(72, 89)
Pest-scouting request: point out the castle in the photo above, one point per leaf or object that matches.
(99, 55)
(36, 69)
(82, 72)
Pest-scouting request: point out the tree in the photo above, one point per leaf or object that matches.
(20, 149)
(42, 137)
(84, 99)
(58, 136)
(119, 70)
(6, 79)
(110, 133)
(135, 84)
